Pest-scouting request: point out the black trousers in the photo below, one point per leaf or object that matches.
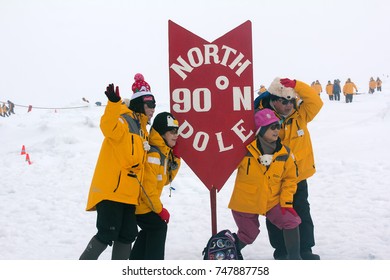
(150, 242)
(306, 228)
(116, 222)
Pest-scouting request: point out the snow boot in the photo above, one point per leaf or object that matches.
(240, 245)
(280, 255)
(120, 251)
(93, 250)
(308, 255)
(292, 241)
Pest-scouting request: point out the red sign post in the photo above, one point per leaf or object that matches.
(211, 94)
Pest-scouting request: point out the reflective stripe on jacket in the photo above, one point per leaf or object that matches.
(259, 188)
(122, 153)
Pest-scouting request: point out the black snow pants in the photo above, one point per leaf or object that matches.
(150, 242)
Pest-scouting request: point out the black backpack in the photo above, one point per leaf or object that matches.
(222, 246)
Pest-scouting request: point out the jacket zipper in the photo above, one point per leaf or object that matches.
(119, 180)
(132, 145)
(247, 169)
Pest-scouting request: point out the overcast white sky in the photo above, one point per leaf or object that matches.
(54, 52)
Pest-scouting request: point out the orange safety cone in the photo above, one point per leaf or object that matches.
(28, 158)
(23, 152)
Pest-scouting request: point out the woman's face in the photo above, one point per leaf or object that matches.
(272, 133)
(149, 112)
(171, 137)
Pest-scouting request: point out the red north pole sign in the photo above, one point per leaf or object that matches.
(211, 94)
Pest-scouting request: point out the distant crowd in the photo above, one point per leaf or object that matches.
(7, 110)
(334, 89)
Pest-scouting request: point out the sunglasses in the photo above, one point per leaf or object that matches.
(174, 131)
(151, 104)
(286, 102)
(275, 126)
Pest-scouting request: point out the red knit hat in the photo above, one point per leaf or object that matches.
(142, 94)
(140, 84)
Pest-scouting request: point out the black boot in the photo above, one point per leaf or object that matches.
(308, 255)
(276, 240)
(93, 250)
(240, 245)
(292, 241)
(120, 251)
(280, 255)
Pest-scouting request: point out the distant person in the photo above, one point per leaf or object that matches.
(318, 87)
(348, 90)
(329, 90)
(261, 90)
(116, 183)
(378, 84)
(85, 100)
(5, 110)
(296, 104)
(371, 85)
(336, 89)
(161, 168)
(313, 85)
(1, 112)
(265, 185)
(11, 107)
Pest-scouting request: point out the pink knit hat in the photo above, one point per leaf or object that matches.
(264, 118)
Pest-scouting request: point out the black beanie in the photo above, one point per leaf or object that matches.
(164, 122)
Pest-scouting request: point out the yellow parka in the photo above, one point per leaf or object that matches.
(294, 132)
(160, 170)
(329, 89)
(348, 88)
(318, 88)
(372, 84)
(122, 153)
(259, 188)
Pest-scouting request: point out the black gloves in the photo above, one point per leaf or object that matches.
(112, 95)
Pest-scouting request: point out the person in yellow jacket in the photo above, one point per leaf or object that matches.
(318, 87)
(115, 188)
(371, 85)
(329, 90)
(378, 84)
(296, 104)
(161, 168)
(265, 185)
(261, 90)
(348, 90)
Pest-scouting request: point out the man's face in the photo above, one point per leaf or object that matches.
(283, 106)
